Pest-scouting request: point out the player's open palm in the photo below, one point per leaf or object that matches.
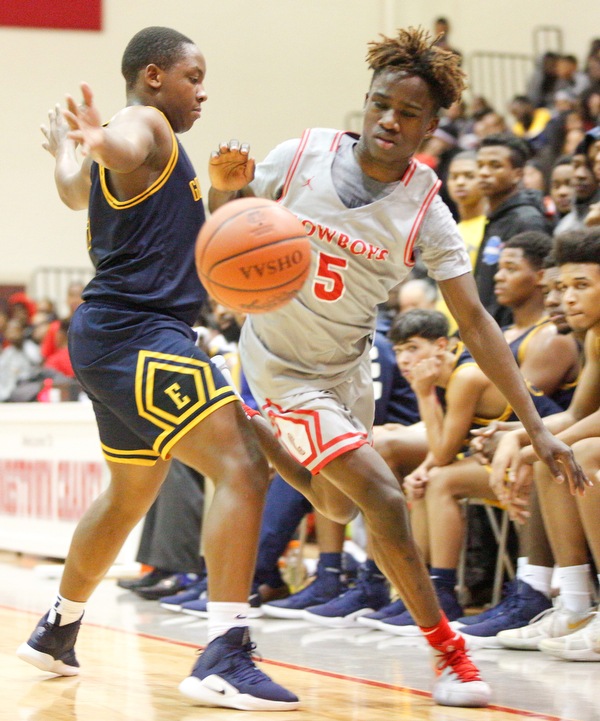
(230, 167)
(84, 121)
(56, 131)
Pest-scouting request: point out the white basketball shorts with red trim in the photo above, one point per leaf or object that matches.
(318, 425)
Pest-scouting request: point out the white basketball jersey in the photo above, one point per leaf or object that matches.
(358, 256)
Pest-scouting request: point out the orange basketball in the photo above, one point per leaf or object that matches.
(252, 255)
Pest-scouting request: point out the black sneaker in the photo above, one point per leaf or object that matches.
(52, 647)
(225, 675)
(149, 579)
(167, 586)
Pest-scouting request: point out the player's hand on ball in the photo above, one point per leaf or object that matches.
(230, 167)
(57, 130)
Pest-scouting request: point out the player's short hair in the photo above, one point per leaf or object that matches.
(563, 160)
(519, 152)
(534, 244)
(464, 155)
(413, 52)
(158, 45)
(421, 322)
(549, 261)
(577, 246)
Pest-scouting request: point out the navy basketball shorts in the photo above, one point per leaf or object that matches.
(148, 382)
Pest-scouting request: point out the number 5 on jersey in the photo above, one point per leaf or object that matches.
(328, 284)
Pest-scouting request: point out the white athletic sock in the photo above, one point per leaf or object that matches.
(223, 616)
(538, 577)
(522, 562)
(69, 611)
(575, 587)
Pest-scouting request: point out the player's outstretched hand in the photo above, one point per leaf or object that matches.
(230, 167)
(84, 121)
(560, 460)
(56, 131)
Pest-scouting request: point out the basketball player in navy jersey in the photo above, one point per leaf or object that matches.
(154, 392)
(367, 206)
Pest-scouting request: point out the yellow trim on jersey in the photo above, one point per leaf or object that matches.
(141, 451)
(156, 185)
(132, 461)
(533, 330)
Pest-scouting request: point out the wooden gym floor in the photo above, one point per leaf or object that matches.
(134, 654)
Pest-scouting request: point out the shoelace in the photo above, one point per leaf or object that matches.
(242, 666)
(459, 662)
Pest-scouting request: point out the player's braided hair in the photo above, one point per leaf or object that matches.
(413, 52)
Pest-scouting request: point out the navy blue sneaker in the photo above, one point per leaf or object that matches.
(225, 675)
(392, 609)
(191, 593)
(524, 605)
(326, 586)
(404, 625)
(52, 647)
(370, 594)
(507, 600)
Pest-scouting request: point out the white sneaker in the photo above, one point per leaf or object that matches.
(458, 681)
(582, 645)
(556, 622)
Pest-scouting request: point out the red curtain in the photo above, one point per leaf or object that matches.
(59, 14)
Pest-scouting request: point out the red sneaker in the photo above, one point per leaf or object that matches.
(458, 681)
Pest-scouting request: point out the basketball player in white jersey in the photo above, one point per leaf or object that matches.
(366, 205)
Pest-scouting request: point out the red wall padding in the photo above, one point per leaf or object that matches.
(60, 14)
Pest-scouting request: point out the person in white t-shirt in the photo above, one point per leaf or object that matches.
(367, 205)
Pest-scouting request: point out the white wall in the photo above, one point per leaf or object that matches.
(274, 68)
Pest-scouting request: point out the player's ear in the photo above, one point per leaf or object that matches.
(153, 76)
(441, 344)
(431, 127)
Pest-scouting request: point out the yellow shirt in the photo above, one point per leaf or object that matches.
(472, 233)
(541, 116)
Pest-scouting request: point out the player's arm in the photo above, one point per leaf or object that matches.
(71, 176)
(488, 347)
(128, 141)
(230, 169)
(544, 345)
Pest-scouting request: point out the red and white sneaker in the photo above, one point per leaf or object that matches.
(458, 681)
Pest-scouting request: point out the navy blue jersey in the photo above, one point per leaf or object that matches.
(395, 400)
(519, 345)
(143, 248)
(544, 404)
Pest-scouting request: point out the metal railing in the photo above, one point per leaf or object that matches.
(53, 283)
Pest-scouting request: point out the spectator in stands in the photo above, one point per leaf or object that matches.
(19, 364)
(49, 345)
(417, 293)
(3, 322)
(561, 187)
(569, 77)
(511, 210)
(441, 31)
(585, 191)
(542, 85)
(59, 360)
(465, 191)
(491, 123)
(530, 121)
(590, 106)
